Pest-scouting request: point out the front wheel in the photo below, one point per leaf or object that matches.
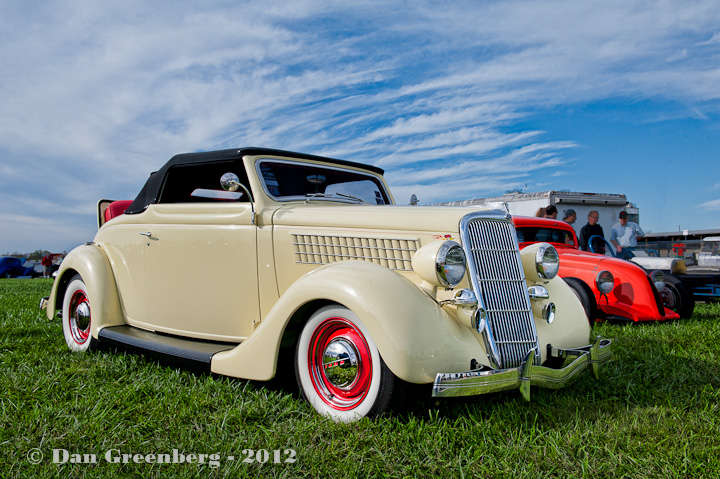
(339, 369)
(678, 297)
(77, 316)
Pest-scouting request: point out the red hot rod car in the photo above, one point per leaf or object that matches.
(608, 288)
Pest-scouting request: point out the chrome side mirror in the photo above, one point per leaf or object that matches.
(230, 182)
(413, 200)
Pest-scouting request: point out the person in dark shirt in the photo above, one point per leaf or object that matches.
(551, 212)
(592, 229)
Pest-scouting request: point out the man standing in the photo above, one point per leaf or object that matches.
(592, 229)
(625, 234)
(551, 212)
(570, 216)
(47, 266)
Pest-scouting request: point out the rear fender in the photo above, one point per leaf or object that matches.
(91, 263)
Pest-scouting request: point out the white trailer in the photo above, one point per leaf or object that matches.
(608, 205)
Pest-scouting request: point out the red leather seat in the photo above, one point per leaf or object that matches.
(116, 208)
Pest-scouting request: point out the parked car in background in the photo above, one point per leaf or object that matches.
(608, 288)
(709, 254)
(684, 284)
(11, 267)
(37, 268)
(252, 261)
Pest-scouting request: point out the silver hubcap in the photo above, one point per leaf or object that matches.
(82, 313)
(340, 363)
(80, 322)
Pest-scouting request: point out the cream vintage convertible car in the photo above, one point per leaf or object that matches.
(226, 259)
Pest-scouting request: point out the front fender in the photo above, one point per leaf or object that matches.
(91, 263)
(416, 337)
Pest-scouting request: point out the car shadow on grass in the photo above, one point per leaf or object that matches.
(645, 372)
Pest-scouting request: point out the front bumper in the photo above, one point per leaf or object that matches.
(472, 383)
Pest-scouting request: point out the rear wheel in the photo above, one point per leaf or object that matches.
(339, 369)
(678, 297)
(77, 316)
(586, 299)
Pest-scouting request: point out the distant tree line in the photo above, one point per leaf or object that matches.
(34, 256)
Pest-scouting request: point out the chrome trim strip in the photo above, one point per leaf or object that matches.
(472, 383)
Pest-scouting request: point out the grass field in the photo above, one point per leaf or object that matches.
(655, 413)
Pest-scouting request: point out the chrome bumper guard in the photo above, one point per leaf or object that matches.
(472, 383)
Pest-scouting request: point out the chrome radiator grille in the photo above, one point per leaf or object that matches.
(499, 281)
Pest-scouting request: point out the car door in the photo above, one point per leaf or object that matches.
(201, 267)
(126, 245)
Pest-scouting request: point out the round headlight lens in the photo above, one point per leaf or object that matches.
(658, 278)
(547, 261)
(605, 281)
(450, 263)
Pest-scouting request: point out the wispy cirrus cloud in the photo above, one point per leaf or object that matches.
(713, 205)
(95, 96)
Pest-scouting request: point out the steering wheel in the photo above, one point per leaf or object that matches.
(609, 248)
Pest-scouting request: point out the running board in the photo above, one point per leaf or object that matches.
(191, 352)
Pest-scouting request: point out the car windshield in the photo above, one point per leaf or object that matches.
(289, 180)
(710, 246)
(545, 235)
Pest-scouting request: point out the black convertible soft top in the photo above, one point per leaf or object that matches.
(151, 191)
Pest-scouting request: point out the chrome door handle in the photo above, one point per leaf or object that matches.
(148, 234)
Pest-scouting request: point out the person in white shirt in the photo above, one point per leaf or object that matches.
(625, 233)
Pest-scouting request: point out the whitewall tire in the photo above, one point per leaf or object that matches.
(339, 369)
(77, 316)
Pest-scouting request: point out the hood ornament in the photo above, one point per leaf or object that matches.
(508, 216)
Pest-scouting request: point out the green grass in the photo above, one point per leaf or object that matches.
(655, 413)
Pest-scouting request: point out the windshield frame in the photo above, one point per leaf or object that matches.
(378, 180)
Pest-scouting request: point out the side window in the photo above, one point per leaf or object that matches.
(200, 183)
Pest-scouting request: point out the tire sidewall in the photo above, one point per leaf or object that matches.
(684, 300)
(76, 284)
(302, 369)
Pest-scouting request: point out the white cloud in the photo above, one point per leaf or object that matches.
(95, 96)
(713, 205)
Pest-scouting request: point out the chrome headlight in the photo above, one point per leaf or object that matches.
(605, 281)
(450, 264)
(658, 279)
(547, 261)
(440, 263)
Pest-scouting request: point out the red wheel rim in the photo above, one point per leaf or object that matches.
(340, 364)
(79, 321)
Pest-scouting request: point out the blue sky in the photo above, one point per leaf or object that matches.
(455, 100)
